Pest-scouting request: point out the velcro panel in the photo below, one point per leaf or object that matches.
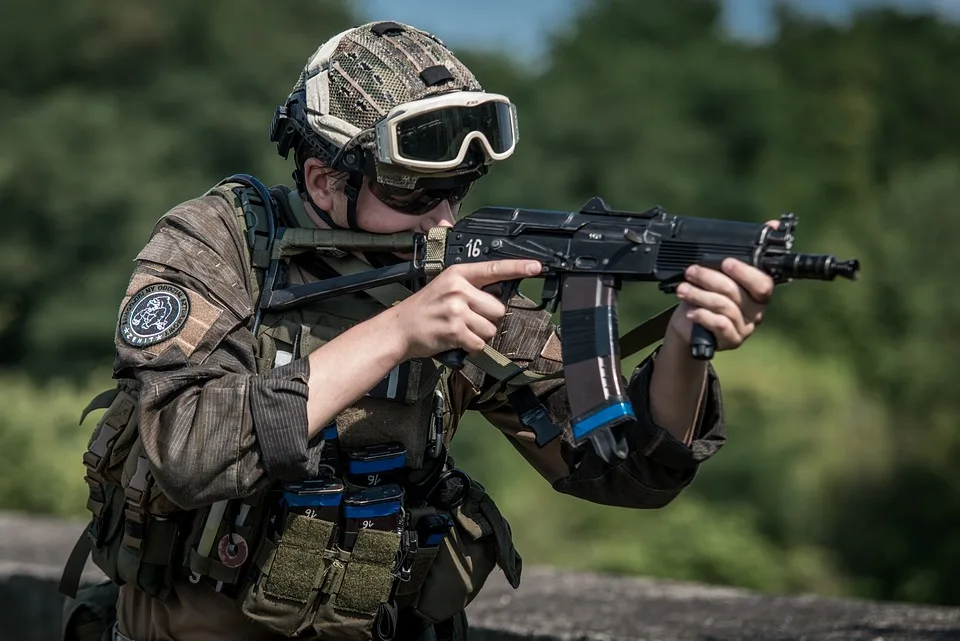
(298, 563)
(369, 576)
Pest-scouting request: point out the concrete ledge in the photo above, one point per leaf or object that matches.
(549, 606)
(562, 606)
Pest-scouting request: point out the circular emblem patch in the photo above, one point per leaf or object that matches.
(154, 314)
(233, 550)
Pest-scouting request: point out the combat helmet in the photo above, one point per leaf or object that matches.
(391, 104)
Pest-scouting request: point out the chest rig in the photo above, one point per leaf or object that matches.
(389, 523)
(342, 550)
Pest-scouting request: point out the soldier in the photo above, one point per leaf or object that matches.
(263, 476)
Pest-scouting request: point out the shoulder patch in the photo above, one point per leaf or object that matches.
(153, 314)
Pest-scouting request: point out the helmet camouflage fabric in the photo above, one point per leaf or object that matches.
(354, 79)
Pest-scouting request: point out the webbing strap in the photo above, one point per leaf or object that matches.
(213, 568)
(73, 570)
(136, 497)
(646, 333)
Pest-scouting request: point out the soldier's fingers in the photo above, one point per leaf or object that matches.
(468, 339)
(714, 302)
(481, 327)
(728, 335)
(757, 284)
(715, 281)
(485, 304)
(494, 271)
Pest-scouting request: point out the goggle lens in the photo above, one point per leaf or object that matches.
(417, 201)
(439, 135)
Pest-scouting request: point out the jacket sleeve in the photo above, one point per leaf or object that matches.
(211, 427)
(658, 466)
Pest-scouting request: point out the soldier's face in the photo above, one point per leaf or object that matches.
(372, 214)
(378, 218)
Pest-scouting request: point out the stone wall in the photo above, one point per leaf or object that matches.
(549, 606)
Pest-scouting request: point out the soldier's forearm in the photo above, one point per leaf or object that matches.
(676, 389)
(349, 366)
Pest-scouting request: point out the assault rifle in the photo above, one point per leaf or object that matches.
(587, 255)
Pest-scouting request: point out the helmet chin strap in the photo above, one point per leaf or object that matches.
(352, 190)
(321, 214)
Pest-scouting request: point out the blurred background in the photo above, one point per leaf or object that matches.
(840, 477)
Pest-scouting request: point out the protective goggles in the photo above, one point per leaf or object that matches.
(416, 201)
(434, 134)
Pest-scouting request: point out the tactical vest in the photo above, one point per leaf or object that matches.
(390, 524)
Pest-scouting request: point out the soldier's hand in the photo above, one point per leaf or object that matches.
(452, 311)
(729, 302)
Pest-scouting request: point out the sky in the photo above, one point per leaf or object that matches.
(522, 26)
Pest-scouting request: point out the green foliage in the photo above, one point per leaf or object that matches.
(914, 504)
(43, 468)
(838, 475)
(113, 113)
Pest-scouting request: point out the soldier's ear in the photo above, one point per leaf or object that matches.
(320, 184)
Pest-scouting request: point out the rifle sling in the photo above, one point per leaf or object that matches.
(646, 333)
